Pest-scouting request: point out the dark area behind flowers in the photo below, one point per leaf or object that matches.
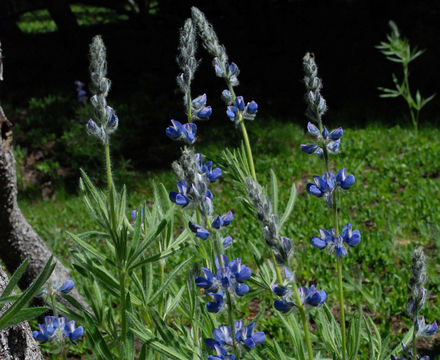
(267, 39)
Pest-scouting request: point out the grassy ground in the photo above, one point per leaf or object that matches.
(394, 204)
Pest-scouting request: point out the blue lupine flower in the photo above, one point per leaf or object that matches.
(239, 271)
(239, 103)
(230, 276)
(224, 220)
(112, 120)
(210, 282)
(199, 231)
(47, 330)
(228, 71)
(309, 297)
(312, 149)
(180, 198)
(70, 331)
(246, 335)
(323, 186)
(81, 93)
(58, 328)
(199, 102)
(186, 132)
(426, 357)
(227, 97)
(203, 114)
(328, 238)
(423, 329)
(199, 110)
(250, 110)
(344, 181)
(243, 334)
(211, 174)
(66, 287)
(222, 337)
(222, 354)
(331, 140)
(217, 303)
(95, 130)
(351, 237)
(226, 241)
(134, 215)
(231, 112)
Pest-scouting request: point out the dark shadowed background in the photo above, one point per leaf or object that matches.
(267, 39)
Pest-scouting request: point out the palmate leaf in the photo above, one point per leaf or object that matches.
(170, 277)
(151, 341)
(12, 314)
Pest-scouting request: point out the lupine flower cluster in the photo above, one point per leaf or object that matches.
(55, 286)
(333, 243)
(230, 276)
(415, 305)
(326, 185)
(80, 92)
(237, 109)
(309, 297)
(244, 335)
(196, 109)
(106, 120)
(418, 296)
(58, 329)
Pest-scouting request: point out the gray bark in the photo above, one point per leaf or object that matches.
(18, 240)
(16, 342)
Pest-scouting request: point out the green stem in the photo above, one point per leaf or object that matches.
(110, 184)
(231, 323)
(340, 284)
(123, 312)
(304, 321)
(244, 132)
(188, 106)
(341, 308)
(414, 340)
(248, 147)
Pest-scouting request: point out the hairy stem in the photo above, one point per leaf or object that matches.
(122, 312)
(245, 134)
(341, 308)
(110, 184)
(304, 321)
(231, 323)
(414, 340)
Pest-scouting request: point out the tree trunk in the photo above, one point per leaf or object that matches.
(16, 342)
(18, 240)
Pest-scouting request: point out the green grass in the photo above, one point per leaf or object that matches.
(394, 204)
(40, 21)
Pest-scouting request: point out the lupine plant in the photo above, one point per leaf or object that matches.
(328, 186)
(143, 305)
(57, 329)
(398, 50)
(223, 285)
